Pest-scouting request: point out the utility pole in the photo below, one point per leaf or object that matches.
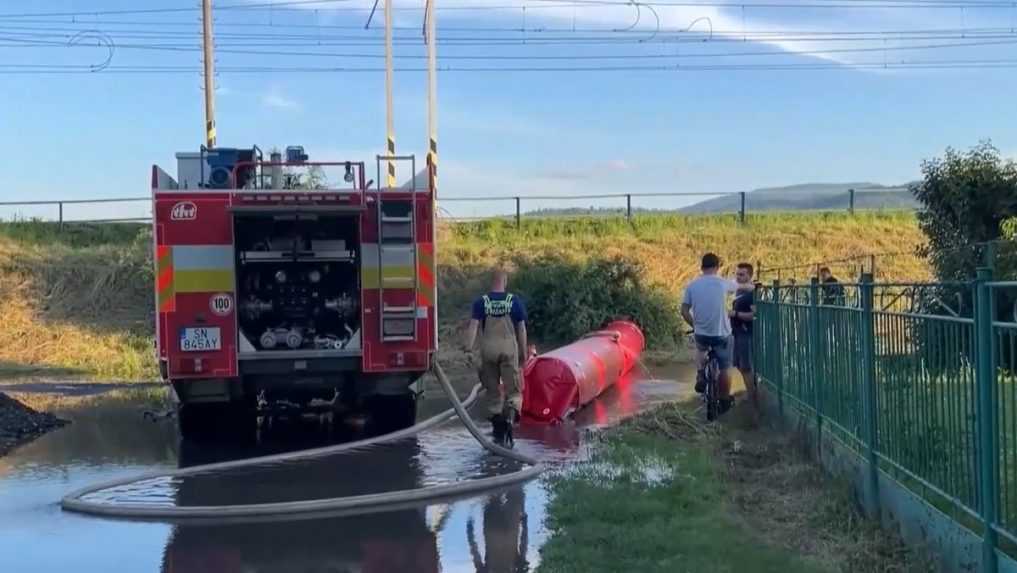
(432, 92)
(209, 57)
(390, 176)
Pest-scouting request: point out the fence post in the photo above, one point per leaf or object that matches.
(989, 255)
(815, 351)
(60, 225)
(867, 338)
(628, 207)
(851, 201)
(985, 380)
(519, 213)
(741, 210)
(778, 352)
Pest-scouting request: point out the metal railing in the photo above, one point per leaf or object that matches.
(516, 207)
(918, 379)
(60, 204)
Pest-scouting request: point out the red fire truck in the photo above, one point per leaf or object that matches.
(275, 286)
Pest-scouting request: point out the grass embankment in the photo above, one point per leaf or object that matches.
(670, 246)
(76, 301)
(664, 493)
(79, 300)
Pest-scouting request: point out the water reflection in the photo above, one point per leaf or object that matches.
(506, 534)
(388, 542)
(500, 531)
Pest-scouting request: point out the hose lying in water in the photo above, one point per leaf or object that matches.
(367, 503)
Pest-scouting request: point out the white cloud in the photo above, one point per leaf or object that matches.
(275, 99)
(617, 165)
(599, 170)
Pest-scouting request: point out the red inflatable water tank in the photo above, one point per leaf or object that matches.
(561, 381)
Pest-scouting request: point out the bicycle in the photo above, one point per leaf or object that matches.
(711, 393)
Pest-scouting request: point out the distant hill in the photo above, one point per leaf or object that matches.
(809, 197)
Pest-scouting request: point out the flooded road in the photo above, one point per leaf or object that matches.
(497, 531)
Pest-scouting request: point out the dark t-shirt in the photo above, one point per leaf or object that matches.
(517, 310)
(742, 303)
(833, 292)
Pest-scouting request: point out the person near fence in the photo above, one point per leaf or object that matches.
(704, 307)
(833, 291)
(743, 313)
(499, 317)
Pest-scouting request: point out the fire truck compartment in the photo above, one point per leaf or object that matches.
(298, 289)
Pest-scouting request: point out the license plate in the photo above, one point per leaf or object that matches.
(200, 339)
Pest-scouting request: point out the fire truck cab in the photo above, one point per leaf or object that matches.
(286, 282)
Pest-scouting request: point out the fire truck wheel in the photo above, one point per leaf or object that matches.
(199, 422)
(392, 413)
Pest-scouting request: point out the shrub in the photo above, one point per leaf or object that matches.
(567, 299)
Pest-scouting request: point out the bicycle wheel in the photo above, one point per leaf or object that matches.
(710, 395)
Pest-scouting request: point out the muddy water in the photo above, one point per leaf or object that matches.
(498, 531)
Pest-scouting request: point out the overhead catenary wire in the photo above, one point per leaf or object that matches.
(595, 57)
(28, 35)
(299, 6)
(250, 6)
(309, 41)
(678, 67)
(47, 40)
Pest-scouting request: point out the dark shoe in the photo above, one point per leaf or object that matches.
(512, 416)
(701, 381)
(726, 404)
(513, 419)
(499, 429)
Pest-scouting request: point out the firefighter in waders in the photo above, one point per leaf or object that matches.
(499, 318)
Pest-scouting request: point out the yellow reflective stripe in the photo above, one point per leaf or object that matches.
(425, 272)
(167, 299)
(391, 170)
(165, 294)
(394, 276)
(203, 281)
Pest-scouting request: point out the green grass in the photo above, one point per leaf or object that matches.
(665, 492)
(647, 503)
(39, 233)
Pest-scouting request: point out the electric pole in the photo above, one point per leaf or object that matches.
(209, 57)
(432, 93)
(390, 123)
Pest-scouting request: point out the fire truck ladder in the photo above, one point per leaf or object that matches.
(397, 250)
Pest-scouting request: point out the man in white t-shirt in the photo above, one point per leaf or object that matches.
(704, 307)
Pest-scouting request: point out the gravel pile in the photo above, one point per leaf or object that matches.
(19, 423)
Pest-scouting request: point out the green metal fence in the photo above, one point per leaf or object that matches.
(920, 380)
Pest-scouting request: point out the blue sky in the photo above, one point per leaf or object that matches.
(508, 133)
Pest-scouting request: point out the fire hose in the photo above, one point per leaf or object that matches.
(367, 503)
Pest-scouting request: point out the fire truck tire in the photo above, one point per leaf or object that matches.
(201, 422)
(392, 413)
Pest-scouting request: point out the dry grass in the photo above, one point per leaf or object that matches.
(80, 299)
(85, 310)
(670, 246)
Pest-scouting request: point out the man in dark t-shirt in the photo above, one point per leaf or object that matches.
(499, 317)
(743, 312)
(833, 291)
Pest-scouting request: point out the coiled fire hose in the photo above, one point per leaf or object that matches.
(367, 503)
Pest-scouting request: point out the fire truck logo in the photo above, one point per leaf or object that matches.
(184, 211)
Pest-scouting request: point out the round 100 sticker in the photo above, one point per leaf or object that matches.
(221, 304)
